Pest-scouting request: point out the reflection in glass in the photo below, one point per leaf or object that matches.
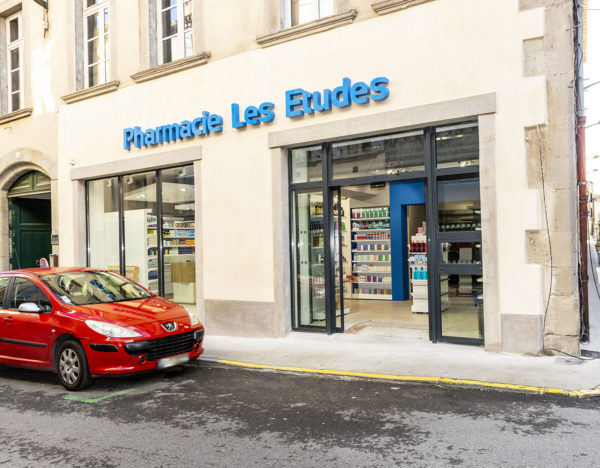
(461, 252)
(309, 259)
(16, 101)
(392, 154)
(92, 25)
(457, 145)
(459, 207)
(169, 49)
(462, 306)
(179, 236)
(93, 51)
(169, 22)
(14, 30)
(14, 81)
(14, 59)
(103, 223)
(306, 164)
(93, 75)
(141, 238)
(187, 15)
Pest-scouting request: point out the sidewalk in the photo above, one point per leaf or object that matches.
(409, 360)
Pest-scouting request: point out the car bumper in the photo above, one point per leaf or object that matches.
(112, 357)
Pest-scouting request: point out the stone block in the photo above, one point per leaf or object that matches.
(559, 345)
(522, 333)
(537, 249)
(563, 315)
(533, 57)
(241, 318)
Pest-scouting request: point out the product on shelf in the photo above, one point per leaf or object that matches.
(371, 253)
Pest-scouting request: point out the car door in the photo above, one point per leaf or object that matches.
(26, 335)
(4, 283)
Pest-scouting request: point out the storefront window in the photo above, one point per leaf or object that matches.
(141, 238)
(392, 154)
(462, 306)
(179, 234)
(309, 260)
(103, 223)
(459, 207)
(457, 145)
(307, 164)
(156, 214)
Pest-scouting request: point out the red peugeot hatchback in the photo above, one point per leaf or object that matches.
(82, 323)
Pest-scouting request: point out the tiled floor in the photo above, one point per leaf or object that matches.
(394, 318)
(385, 318)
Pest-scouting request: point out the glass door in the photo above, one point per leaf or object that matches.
(340, 239)
(308, 258)
(459, 252)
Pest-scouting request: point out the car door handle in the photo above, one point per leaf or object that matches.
(8, 319)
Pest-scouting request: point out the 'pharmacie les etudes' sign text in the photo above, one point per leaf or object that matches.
(297, 103)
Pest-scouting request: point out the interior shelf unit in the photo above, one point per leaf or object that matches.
(417, 261)
(371, 253)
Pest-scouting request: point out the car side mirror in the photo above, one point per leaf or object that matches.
(30, 307)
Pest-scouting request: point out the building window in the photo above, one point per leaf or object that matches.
(143, 226)
(175, 36)
(295, 12)
(96, 42)
(14, 61)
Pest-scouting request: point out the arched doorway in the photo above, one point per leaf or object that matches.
(30, 220)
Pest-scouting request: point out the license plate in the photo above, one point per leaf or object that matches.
(173, 360)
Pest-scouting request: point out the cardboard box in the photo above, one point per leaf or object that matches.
(183, 272)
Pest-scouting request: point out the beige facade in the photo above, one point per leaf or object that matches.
(505, 63)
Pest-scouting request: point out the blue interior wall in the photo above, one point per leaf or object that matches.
(401, 195)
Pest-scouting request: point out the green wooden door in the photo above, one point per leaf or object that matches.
(31, 232)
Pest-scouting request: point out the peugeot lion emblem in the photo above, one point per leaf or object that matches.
(169, 326)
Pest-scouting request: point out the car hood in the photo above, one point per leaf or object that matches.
(136, 312)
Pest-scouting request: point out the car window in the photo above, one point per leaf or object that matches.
(3, 285)
(93, 287)
(25, 290)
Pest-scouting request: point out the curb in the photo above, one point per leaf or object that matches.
(594, 392)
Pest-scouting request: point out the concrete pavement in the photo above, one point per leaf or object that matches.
(411, 360)
(212, 415)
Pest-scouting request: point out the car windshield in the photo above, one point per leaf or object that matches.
(93, 287)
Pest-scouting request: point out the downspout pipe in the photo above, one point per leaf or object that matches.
(581, 173)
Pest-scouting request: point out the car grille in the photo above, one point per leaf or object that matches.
(170, 346)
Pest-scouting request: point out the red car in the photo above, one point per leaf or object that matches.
(82, 323)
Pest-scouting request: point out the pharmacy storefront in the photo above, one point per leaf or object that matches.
(383, 227)
(365, 197)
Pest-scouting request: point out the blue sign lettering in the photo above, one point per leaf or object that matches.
(298, 102)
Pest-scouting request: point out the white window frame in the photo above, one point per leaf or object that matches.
(104, 54)
(314, 5)
(10, 46)
(180, 34)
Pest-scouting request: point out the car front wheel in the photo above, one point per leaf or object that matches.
(73, 371)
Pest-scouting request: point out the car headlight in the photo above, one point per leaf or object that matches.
(193, 319)
(110, 330)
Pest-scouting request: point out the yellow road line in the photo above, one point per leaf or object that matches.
(415, 378)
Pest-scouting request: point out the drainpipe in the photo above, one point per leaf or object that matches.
(581, 175)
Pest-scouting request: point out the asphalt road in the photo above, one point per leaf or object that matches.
(207, 415)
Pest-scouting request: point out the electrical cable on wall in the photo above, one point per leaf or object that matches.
(547, 224)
